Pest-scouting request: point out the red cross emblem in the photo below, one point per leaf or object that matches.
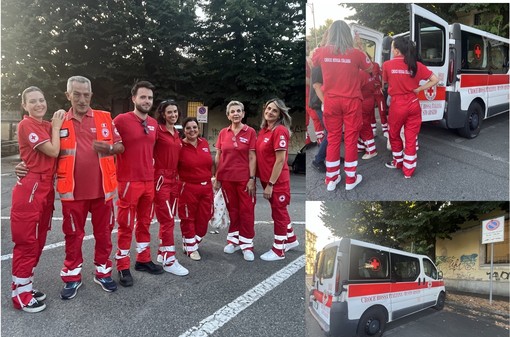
(376, 265)
(32, 137)
(478, 51)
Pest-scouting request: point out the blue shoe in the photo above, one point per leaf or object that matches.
(107, 283)
(70, 290)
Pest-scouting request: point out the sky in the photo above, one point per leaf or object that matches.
(315, 225)
(323, 10)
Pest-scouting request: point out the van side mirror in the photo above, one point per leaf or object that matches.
(440, 275)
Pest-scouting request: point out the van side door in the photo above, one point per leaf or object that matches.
(432, 37)
(406, 285)
(372, 40)
(433, 286)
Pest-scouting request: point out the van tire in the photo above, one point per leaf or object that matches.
(473, 122)
(440, 301)
(372, 323)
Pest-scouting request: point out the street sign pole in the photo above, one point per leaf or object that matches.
(492, 271)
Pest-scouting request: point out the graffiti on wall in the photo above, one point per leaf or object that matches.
(503, 275)
(452, 263)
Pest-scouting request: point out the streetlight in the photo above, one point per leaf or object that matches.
(313, 18)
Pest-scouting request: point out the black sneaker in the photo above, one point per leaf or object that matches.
(125, 278)
(34, 306)
(107, 283)
(39, 296)
(70, 290)
(149, 267)
(319, 166)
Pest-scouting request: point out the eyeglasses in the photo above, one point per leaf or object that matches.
(145, 128)
(234, 139)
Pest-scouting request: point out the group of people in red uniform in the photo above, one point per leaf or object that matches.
(351, 84)
(145, 162)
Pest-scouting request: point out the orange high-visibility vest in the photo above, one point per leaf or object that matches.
(67, 157)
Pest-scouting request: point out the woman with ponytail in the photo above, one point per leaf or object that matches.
(403, 74)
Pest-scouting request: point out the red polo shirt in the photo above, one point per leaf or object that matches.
(367, 83)
(399, 79)
(340, 72)
(32, 133)
(166, 150)
(234, 160)
(87, 172)
(268, 142)
(195, 163)
(136, 163)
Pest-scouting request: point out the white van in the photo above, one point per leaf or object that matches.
(472, 66)
(358, 287)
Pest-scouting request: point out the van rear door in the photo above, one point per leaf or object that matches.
(372, 39)
(324, 283)
(432, 38)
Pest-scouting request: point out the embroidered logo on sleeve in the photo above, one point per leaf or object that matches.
(33, 138)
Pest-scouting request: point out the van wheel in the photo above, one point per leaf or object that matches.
(372, 323)
(440, 301)
(473, 121)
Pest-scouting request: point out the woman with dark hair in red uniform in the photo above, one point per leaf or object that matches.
(340, 63)
(273, 171)
(236, 165)
(33, 196)
(403, 74)
(196, 169)
(166, 184)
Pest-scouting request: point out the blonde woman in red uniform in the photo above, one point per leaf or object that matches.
(33, 196)
(273, 171)
(166, 184)
(236, 165)
(196, 169)
(403, 74)
(340, 63)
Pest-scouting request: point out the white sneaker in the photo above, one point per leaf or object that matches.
(291, 245)
(176, 269)
(195, 255)
(369, 155)
(349, 187)
(248, 255)
(271, 256)
(332, 184)
(231, 248)
(385, 134)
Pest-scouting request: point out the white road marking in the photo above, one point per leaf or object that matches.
(88, 237)
(222, 316)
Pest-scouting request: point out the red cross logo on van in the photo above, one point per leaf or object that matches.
(375, 264)
(478, 51)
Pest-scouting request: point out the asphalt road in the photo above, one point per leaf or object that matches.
(448, 168)
(222, 296)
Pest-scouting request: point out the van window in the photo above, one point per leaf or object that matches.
(326, 264)
(430, 42)
(474, 52)
(367, 263)
(404, 268)
(429, 269)
(498, 57)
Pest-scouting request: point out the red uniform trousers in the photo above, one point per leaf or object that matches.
(31, 212)
(366, 133)
(135, 200)
(340, 112)
(405, 111)
(317, 125)
(195, 211)
(241, 210)
(382, 107)
(165, 206)
(283, 231)
(75, 216)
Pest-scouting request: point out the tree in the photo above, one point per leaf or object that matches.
(403, 225)
(393, 18)
(252, 51)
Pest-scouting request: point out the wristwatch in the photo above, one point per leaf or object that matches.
(252, 177)
(111, 148)
(270, 184)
